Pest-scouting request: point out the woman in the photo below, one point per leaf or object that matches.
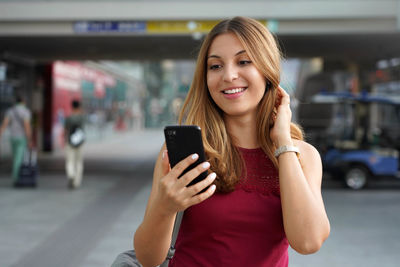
(257, 203)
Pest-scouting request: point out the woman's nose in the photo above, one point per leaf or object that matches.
(230, 73)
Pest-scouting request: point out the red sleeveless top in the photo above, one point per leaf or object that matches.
(241, 228)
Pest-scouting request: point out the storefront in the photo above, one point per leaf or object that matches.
(73, 80)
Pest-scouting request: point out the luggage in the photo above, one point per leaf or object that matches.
(28, 171)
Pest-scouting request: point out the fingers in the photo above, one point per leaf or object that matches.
(278, 99)
(198, 187)
(282, 117)
(177, 170)
(193, 174)
(284, 97)
(176, 190)
(196, 199)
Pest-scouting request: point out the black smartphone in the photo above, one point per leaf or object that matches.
(182, 141)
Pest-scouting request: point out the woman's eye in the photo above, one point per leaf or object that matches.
(244, 62)
(214, 67)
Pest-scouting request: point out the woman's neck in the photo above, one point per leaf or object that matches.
(243, 130)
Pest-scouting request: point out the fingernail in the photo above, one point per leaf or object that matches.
(206, 165)
(195, 156)
(212, 187)
(213, 175)
(163, 154)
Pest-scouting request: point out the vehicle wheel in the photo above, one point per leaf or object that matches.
(356, 177)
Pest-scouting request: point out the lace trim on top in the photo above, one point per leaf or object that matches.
(262, 176)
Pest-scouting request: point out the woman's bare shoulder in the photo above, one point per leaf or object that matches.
(309, 155)
(305, 147)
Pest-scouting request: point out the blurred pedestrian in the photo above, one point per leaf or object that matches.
(264, 190)
(75, 136)
(18, 118)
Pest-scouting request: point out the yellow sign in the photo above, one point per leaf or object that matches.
(180, 26)
(183, 26)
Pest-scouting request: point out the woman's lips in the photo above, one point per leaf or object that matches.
(234, 92)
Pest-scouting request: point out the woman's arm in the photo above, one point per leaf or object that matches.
(304, 217)
(28, 133)
(168, 196)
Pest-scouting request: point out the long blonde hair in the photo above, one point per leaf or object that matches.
(200, 109)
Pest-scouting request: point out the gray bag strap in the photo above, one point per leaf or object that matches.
(171, 250)
(177, 225)
(16, 115)
(128, 258)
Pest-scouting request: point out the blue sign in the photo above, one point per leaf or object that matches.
(110, 27)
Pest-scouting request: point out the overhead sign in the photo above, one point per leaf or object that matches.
(180, 26)
(110, 26)
(151, 27)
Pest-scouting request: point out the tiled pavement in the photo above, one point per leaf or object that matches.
(53, 226)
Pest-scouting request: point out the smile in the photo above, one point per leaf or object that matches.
(234, 91)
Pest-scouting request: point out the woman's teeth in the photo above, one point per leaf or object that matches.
(233, 91)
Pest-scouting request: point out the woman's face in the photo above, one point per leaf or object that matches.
(234, 82)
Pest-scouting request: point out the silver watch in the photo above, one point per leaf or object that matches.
(283, 149)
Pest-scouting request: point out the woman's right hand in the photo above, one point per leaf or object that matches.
(173, 193)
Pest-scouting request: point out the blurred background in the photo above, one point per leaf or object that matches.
(131, 65)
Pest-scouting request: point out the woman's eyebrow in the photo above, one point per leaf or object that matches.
(213, 56)
(238, 53)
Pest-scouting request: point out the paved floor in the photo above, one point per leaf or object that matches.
(54, 226)
(364, 230)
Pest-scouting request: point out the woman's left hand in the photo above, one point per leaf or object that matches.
(280, 132)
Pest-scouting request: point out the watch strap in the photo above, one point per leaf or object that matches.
(283, 149)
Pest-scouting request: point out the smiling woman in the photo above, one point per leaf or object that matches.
(261, 202)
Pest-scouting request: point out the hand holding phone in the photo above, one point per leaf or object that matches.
(182, 141)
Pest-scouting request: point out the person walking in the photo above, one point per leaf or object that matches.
(74, 134)
(18, 119)
(264, 182)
